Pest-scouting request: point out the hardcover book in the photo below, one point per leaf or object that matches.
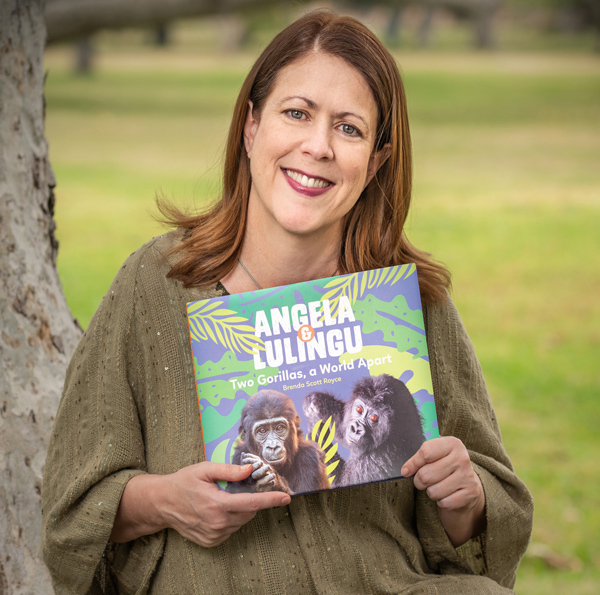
(318, 385)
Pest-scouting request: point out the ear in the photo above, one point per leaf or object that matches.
(378, 158)
(250, 127)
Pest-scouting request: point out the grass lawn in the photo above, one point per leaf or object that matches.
(506, 193)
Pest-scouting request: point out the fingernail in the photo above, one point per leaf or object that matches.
(285, 500)
(404, 471)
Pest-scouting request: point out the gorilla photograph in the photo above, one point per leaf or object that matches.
(272, 441)
(379, 425)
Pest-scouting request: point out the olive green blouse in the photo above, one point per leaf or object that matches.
(130, 406)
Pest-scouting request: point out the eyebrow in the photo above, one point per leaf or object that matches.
(312, 105)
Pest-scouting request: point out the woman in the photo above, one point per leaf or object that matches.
(317, 181)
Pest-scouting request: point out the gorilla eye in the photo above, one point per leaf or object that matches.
(373, 417)
(359, 409)
(262, 430)
(280, 428)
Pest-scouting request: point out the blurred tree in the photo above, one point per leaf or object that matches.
(161, 34)
(68, 19)
(479, 12)
(84, 51)
(79, 19)
(37, 332)
(575, 16)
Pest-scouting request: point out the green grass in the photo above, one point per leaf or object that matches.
(506, 193)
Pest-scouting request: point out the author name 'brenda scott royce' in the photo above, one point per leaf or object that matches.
(308, 344)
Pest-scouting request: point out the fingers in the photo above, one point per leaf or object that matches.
(249, 458)
(443, 468)
(252, 503)
(430, 451)
(207, 515)
(434, 473)
(442, 491)
(214, 472)
(261, 470)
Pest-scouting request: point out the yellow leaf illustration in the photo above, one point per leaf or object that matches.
(330, 436)
(224, 327)
(331, 468)
(356, 285)
(331, 452)
(323, 434)
(315, 431)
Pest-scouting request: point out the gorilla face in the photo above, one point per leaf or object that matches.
(272, 442)
(270, 436)
(367, 424)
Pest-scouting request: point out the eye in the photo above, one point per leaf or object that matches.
(359, 409)
(373, 417)
(262, 431)
(280, 428)
(295, 114)
(350, 130)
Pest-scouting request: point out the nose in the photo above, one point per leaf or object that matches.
(356, 428)
(272, 449)
(318, 141)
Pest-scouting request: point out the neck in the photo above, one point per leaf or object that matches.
(278, 261)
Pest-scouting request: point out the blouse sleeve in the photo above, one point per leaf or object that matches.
(96, 447)
(464, 410)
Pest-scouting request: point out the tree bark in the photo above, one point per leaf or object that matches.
(67, 19)
(37, 332)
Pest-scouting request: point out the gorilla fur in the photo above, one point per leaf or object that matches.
(272, 441)
(380, 425)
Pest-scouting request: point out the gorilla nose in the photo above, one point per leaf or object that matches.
(356, 428)
(273, 451)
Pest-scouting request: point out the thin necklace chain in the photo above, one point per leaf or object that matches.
(249, 274)
(254, 280)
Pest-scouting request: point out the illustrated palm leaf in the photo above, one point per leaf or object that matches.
(323, 436)
(355, 286)
(225, 327)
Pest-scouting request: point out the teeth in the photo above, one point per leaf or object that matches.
(306, 181)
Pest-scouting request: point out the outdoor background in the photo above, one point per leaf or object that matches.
(507, 182)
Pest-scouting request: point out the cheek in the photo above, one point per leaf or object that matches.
(381, 431)
(291, 443)
(348, 417)
(269, 144)
(252, 445)
(357, 164)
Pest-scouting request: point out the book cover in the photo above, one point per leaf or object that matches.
(318, 385)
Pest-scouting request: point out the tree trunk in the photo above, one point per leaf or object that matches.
(37, 332)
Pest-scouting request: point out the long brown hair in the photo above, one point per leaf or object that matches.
(373, 234)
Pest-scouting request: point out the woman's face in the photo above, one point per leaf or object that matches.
(311, 150)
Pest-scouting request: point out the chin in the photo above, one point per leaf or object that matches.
(300, 225)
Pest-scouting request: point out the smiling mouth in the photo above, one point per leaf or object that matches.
(305, 181)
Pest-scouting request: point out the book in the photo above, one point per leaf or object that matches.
(319, 385)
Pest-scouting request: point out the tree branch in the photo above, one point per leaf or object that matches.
(68, 19)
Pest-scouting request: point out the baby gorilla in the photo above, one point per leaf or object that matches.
(380, 425)
(271, 440)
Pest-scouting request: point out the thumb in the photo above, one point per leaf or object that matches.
(222, 472)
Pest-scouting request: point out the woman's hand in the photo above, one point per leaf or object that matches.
(443, 467)
(190, 502)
